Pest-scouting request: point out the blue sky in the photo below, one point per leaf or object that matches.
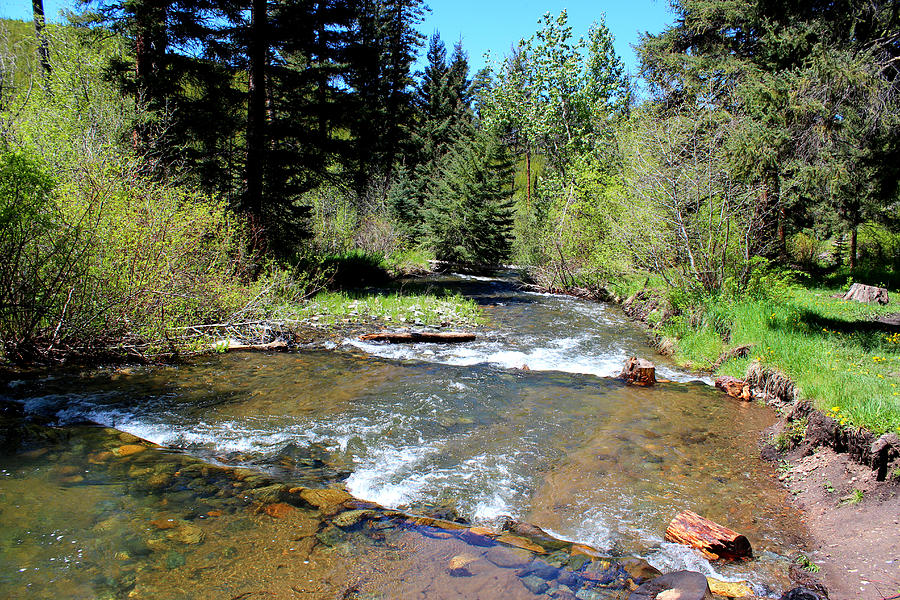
(493, 25)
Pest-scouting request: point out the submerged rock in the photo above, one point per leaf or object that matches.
(459, 563)
(535, 584)
(680, 585)
(278, 510)
(509, 558)
(174, 560)
(186, 534)
(352, 517)
(128, 450)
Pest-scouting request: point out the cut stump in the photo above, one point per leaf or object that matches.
(639, 371)
(412, 337)
(712, 539)
(867, 293)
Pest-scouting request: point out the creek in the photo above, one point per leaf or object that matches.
(461, 430)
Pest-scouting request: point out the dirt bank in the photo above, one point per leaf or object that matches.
(853, 521)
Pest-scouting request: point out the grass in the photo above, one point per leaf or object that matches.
(847, 364)
(395, 308)
(855, 497)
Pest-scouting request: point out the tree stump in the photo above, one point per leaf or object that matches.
(410, 337)
(639, 371)
(867, 294)
(712, 539)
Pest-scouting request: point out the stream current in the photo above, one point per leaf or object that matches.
(462, 428)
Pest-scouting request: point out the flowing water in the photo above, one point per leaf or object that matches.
(462, 430)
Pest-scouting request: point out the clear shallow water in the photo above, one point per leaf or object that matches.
(463, 426)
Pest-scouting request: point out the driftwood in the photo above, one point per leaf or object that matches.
(639, 371)
(233, 345)
(411, 337)
(867, 293)
(712, 539)
(734, 387)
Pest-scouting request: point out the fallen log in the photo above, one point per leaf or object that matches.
(233, 345)
(734, 387)
(712, 539)
(412, 337)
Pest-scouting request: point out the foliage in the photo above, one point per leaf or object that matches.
(693, 223)
(805, 249)
(469, 209)
(394, 308)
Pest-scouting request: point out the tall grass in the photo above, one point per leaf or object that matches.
(847, 363)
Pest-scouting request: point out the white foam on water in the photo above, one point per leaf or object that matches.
(388, 475)
(564, 355)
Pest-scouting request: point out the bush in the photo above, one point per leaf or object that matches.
(112, 262)
(805, 250)
(39, 252)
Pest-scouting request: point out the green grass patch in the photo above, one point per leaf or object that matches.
(846, 363)
(410, 310)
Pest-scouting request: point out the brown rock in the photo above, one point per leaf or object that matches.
(128, 450)
(738, 589)
(639, 371)
(478, 536)
(326, 500)
(520, 542)
(458, 564)
(680, 585)
(640, 570)
(734, 387)
(585, 550)
(278, 510)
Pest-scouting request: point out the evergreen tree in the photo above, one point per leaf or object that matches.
(382, 50)
(819, 84)
(469, 210)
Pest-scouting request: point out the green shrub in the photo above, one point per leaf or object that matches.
(805, 250)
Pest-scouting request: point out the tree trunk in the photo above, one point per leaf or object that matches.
(256, 107)
(150, 44)
(853, 233)
(528, 178)
(405, 337)
(712, 539)
(37, 8)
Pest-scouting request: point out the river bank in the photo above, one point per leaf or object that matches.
(846, 480)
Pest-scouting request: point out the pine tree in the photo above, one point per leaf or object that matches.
(469, 210)
(380, 56)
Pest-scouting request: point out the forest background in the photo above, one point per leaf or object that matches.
(178, 164)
